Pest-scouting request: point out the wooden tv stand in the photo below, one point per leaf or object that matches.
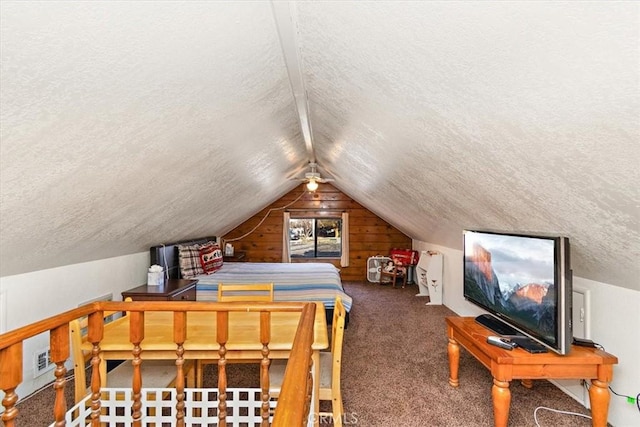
(507, 365)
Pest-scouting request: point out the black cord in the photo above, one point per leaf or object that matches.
(637, 398)
(618, 394)
(628, 397)
(586, 385)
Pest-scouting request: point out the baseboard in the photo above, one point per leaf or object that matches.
(574, 389)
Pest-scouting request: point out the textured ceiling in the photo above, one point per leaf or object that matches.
(128, 124)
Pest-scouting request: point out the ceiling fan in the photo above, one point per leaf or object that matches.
(312, 178)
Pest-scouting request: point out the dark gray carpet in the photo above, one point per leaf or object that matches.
(395, 372)
(396, 369)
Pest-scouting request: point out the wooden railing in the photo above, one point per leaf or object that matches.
(295, 396)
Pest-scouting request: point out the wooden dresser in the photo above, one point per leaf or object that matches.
(173, 290)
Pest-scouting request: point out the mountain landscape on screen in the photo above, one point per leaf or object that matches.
(531, 303)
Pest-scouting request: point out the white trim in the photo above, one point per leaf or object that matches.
(3, 311)
(586, 294)
(286, 18)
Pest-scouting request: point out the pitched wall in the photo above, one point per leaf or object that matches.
(369, 235)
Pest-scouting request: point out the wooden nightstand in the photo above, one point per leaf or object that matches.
(236, 257)
(173, 290)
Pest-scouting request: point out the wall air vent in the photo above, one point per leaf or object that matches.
(42, 362)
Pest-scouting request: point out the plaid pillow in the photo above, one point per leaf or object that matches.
(211, 258)
(189, 260)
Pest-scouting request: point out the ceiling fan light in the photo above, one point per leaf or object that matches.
(312, 185)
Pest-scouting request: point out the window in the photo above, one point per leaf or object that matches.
(315, 237)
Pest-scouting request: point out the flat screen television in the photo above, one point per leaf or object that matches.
(523, 281)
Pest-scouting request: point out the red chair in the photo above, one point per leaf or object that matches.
(401, 259)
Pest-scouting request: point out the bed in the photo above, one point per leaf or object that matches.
(291, 281)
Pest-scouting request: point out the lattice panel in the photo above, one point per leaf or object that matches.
(159, 408)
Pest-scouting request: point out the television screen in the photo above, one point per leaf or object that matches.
(524, 280)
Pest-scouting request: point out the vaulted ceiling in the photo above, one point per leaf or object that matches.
(129, 124)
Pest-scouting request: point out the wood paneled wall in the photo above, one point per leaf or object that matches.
(369, 235)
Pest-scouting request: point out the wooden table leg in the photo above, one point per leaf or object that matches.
(315, 410)
(501, 396)
(599, 397)
(527, 383)
(453, 349)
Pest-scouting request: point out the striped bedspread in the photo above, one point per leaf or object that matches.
(291, 282)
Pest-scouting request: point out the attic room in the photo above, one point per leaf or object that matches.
(128, 125)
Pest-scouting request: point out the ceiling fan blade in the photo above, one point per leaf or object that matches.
(313, 174)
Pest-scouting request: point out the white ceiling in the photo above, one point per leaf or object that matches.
(128, 124)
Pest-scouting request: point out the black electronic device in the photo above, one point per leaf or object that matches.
(496, 325)
(527, 343)
(524, 281)
(501, 342)
(583, 342)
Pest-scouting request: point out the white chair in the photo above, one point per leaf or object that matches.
(330, 367)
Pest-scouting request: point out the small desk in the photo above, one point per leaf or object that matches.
(201, 343)
(172, 290)
(507, 365)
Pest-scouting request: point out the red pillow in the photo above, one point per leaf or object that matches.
(211, 258)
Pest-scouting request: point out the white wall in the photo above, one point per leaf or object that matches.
(27, 298)
(615, 324)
